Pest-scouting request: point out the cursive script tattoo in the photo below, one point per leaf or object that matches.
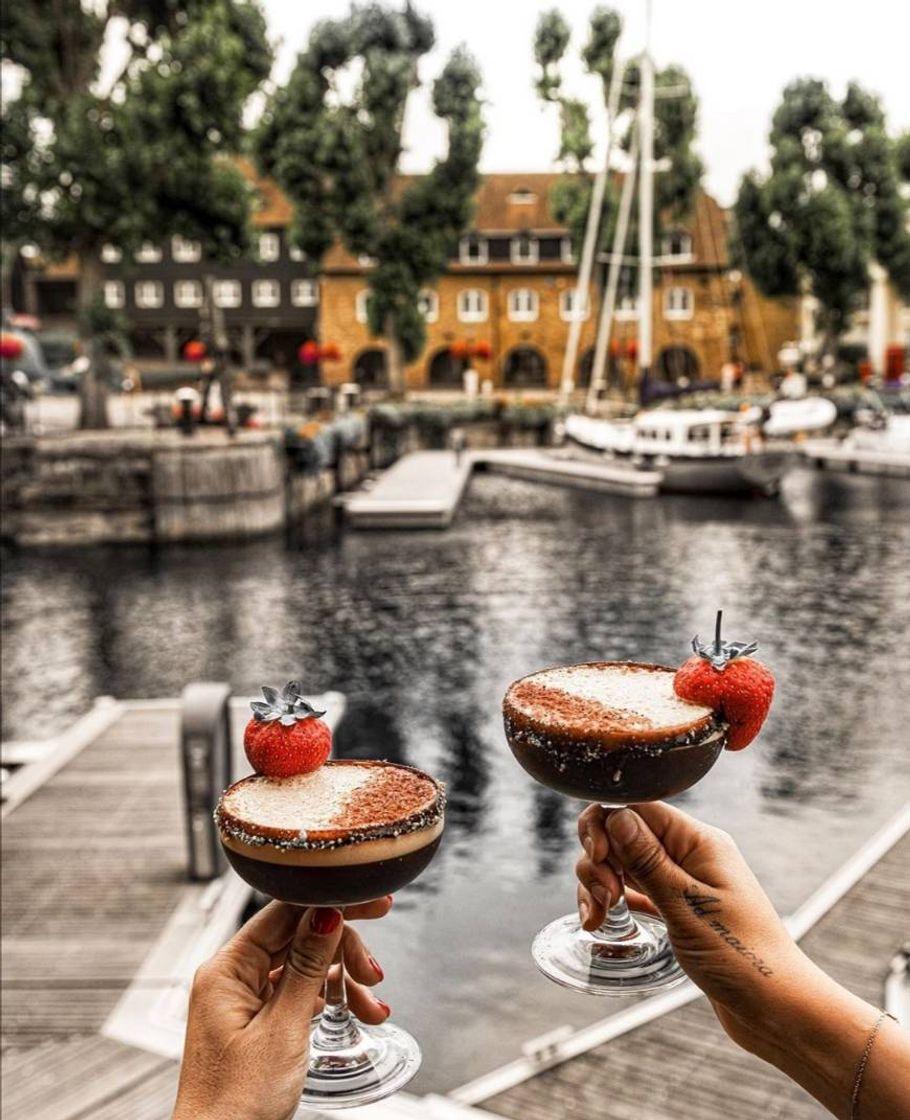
(705, 907)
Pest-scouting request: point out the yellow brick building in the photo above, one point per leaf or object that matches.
(510, 288)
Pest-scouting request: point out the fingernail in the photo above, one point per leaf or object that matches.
(385, 1007)
(376, 968)
(623, 827)
(390, 898)
(600, 893)
(584, 911)
(325, 920)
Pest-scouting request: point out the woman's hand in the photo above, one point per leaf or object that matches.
(248, 1029)
(769, 997)
(725, 933)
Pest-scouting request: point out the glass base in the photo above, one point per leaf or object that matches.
(381, 1061)
(599, 966)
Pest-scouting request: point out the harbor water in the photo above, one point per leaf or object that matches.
(424, 631)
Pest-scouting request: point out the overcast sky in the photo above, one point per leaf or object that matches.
(740, 55)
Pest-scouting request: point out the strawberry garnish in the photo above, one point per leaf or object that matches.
(724, 677)
(286, 735)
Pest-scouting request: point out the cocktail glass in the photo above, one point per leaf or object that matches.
(630, 951)
(350, 1062)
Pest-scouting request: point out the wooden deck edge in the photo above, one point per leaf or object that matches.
(612, 1026)
(60, 750)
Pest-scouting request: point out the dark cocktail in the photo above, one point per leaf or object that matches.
(619, 733)
(317, 833)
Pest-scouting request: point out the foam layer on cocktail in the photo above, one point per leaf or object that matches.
(610, 731)
(347, 832)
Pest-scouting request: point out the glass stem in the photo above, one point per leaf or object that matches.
(337, 1028)
(618, 923)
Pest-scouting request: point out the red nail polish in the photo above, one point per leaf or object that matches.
(385, 1007)
(325, 920)
(376, 968)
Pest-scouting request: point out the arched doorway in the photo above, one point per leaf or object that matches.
(586, 369)
(675, 363)
(445, 370)
(524, 368)
(371, 369)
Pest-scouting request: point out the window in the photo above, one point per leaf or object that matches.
(113, 293)
(522, 305)
(522, 196)
(148, 253)
(184, 251)
(626, 306)
(677, 245)
(428, 305)
(227, 293)
(266, 293)
(472, 305)
(678, 303)
(110, 254)
(296, 253)
(304, 293)
(187, 293)
(269, 247)
(473, 250)
(524, 249)
(567, 308)
(566, 252)
(149, 294)
(360, 305)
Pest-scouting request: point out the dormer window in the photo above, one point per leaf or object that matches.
(522, 196)
(185, 251)
(148, 253)
(566, 252)
(524, 249)
(473, 250)
(677, 246)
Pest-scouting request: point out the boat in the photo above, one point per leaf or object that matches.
(880, 446)
(696, 451)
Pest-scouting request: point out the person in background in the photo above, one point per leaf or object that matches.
(769, 997)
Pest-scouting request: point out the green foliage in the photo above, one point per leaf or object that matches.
(551, 37)
(338, 161)
(831, 204)
(600, 49)
(84, 165)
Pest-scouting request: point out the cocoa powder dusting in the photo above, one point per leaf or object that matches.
(582, 716)
(392, 795)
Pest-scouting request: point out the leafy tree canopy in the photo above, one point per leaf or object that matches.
(832, 203)
(337, 159)
(89, 160)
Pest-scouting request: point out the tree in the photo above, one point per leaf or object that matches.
(831, 205)
(87, 163)
(675, 121)
(337, 160)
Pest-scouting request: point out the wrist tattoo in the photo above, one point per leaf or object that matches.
(706, 907)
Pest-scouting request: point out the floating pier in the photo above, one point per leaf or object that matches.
(423, 489)
(833, 455)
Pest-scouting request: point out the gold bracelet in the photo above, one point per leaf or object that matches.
(863, 1062)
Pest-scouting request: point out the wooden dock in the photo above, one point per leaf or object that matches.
(424, 489)
(101, 932)
(831, 454)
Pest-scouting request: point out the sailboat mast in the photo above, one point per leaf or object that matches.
(646, 210)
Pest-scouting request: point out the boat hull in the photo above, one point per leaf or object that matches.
(755, 473)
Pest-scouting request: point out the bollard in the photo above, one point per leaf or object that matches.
(205, 747)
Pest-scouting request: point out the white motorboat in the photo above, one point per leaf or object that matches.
(879, 446)
(697, 451)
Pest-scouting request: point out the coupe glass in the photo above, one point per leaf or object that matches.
(350, 1062)
(630, 951)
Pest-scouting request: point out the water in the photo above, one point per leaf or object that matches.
(425, 631)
